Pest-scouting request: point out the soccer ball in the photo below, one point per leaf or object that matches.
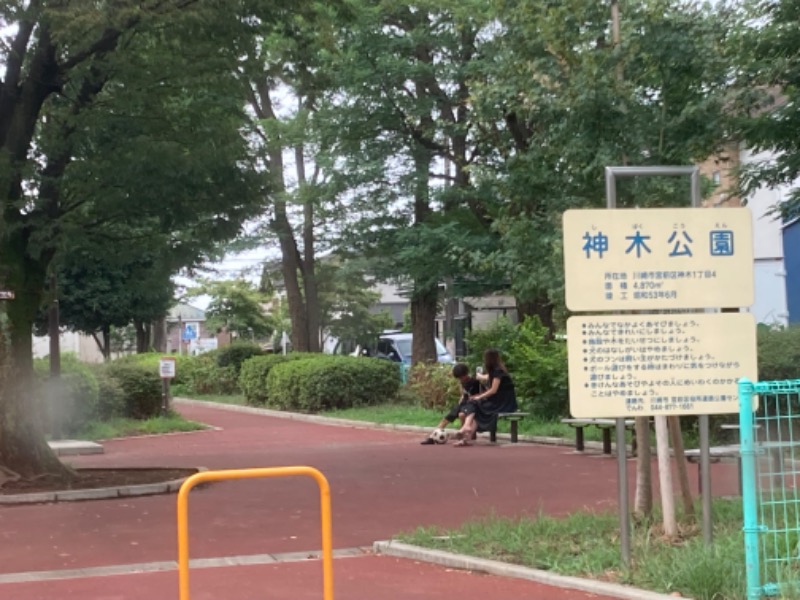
(439, 436)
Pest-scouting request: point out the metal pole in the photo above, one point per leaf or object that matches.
(622, 458)
(705, 478)
(693, 172)
(622, 493)
(748, 453)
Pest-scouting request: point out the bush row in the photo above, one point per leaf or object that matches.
(315, 382)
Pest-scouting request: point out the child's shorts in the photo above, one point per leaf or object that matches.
(461, 407)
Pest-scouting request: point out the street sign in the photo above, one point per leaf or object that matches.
(659, 258)
(6, 295)
(189, 332)
(659, 364)
(166, 367)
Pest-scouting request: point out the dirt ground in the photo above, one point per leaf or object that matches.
(94, 478)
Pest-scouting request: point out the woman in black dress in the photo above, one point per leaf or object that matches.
(500, 397)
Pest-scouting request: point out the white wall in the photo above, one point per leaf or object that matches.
(83, 346)
(770, 305)
(770, 298)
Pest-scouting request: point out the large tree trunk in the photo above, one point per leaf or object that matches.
(309, 260)
(23, 448)
(159, 329)
(424, 300)
(424, 305)
(142, 336)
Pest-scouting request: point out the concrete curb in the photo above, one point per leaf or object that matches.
(122, 491)
(333, 421)
(494, 567)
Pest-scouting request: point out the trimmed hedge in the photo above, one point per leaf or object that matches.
(254, 373)
(235, 354)
(330, 382)
(141, 387)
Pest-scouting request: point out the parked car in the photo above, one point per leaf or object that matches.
(397, 347)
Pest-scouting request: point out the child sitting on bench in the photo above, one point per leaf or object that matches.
(469, 387)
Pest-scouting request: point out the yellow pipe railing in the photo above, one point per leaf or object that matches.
(207, 476)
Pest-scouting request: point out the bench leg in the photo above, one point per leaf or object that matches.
(579, 446)
(514, 436)
(634, 447)
(493, 433)
(607, 440)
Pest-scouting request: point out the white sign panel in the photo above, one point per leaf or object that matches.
(166, 367)
(660, 364)
(659, 258)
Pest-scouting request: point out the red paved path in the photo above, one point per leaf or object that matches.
(381, 483)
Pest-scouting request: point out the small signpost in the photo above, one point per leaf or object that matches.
(167, 370)
(6, 295)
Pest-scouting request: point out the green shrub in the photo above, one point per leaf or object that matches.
(538, 366)
(208, 378)
(111, 396)
(141, 388)
(434, 385)
(325, 382)
(71, 401)
(235, 354)
(778, 353)
(254, 372)
(184, 364)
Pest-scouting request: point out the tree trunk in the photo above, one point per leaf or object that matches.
(423, 323)
(424, 299)
(23, 448)
(291, 262)
(141, 337)
(309, 260)
(643, 500)
(159, 329)
(680, 464)
(106, 349)
(665, 478)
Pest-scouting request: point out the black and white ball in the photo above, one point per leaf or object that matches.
(439, 436)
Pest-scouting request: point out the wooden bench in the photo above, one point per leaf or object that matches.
(606, 425)
(514, 418)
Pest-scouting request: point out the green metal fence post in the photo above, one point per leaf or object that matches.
(749, 501)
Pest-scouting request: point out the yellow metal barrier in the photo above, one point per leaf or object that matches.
(325, 510)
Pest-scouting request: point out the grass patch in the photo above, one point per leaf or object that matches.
(586, 544)
(103, 430)
(403, 414)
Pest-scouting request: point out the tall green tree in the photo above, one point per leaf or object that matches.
(400, 117)
(769, 54)
(237, 306)
(109, 115)
(282, 72)
(561, 100)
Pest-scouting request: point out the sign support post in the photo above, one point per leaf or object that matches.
(167, 370)
(703, 421)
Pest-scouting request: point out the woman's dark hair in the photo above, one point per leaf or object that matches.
(492, 361)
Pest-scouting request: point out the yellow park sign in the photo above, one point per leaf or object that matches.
(659, 364)
(658, 259)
